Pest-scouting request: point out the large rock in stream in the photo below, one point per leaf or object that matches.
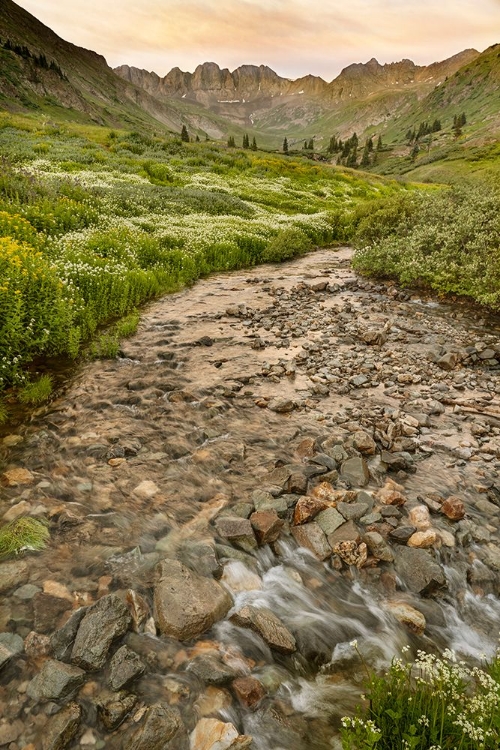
(103, 622)
(186, 604)
(264, 622)
(419, 571)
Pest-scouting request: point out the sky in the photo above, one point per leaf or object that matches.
(294, 37)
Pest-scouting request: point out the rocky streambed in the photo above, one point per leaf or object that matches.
(280, 462)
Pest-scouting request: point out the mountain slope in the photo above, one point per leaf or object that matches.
(40, 71)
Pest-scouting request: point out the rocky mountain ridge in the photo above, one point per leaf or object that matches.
(210, 84)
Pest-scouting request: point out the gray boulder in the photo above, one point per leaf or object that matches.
(55, 681)
(103, 622)
(186, 604)
(419, 571)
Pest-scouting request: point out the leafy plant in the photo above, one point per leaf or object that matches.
(433, 702)
(37, 392)
(23, 534)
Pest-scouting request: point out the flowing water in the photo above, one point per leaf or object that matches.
(138, 456)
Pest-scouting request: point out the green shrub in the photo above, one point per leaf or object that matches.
(447, 240)
(23, 534)
(288, 243)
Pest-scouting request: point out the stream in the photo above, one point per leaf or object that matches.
(283, 462)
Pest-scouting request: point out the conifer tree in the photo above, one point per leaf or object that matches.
(369, 143)
(285, 146)
(254, 144)
(246, 141)
(379, 143)
(231, 142)
(365, 159)
(184, 134)
(197, 139)
(310, 145)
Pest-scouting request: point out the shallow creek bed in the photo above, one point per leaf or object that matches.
(280, 462)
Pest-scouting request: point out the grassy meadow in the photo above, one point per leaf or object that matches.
(94, 222)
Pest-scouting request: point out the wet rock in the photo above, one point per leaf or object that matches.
(55, 681)
(364, 443)
(423, 539)
(187, 604)
(378, 546)
(212, 734)
(351, 552)
(391, 494)
(407, 615)
(312, 537)
(13, 574)
(329, 520)
(201, 557)
(348, 532)
(237, 530)
(420, 517)
(353, 511)
(113, 709)
(266, 525)
(327, 493)
(160, 726)
(47, 610)
(265, 501)
(146, 490)
(281, 405)
(264, 622)
(306, 448)
(453, 508)
(211, 670)
(355, 471)
(297, 483)
(492, 556)
(419, 571)
(125, 666)
(61, 641)
(62, 728)
(307, 508)
(249, 691)
(10, 732)
(394, 461)
(448, 361)
(17, 477)
(102, 623)
(402, 534)
(36, 644)
(10, 645)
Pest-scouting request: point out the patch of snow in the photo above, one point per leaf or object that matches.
(229, 101)
(301, 92)
(184, 96)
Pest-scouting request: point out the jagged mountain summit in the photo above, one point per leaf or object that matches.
(256, 96)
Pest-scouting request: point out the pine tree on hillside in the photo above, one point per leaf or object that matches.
(184, 134)
(197, 139)
(254, 144)
(332, 146)
(365, 159)
(285, 146)
(231, 142)
(369, 143)
(310, 145)
(379, 143)
(246, 141)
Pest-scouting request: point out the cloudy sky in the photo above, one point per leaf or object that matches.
(294, 37)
